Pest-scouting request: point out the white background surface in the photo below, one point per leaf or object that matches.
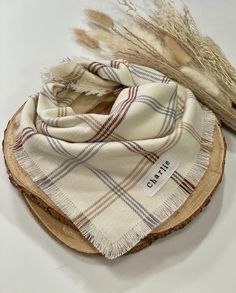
(200, 258)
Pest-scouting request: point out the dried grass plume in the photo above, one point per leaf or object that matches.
(168, 40)
(84, 38)
(99, 18)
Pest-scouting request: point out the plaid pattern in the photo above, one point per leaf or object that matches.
(91, 164)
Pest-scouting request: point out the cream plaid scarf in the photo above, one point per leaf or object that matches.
(117, 175)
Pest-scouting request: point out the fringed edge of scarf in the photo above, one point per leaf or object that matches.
(34, 171)
(54, 74)
(141, 230)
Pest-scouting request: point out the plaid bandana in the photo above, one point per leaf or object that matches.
(117, 175)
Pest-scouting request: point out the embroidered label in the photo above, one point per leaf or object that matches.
(158, 175)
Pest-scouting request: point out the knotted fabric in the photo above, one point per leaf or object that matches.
(118, 173)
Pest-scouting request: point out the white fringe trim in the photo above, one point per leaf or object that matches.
(53, 192)
(91, 91)
(141, 230)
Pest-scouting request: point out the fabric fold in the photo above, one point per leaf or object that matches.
(119, 172)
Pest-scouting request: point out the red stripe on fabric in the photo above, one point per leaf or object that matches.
(91, 65)
(27, 137)
(24, 132)
(132, 149)
(105, 132)
(181, 183)
(105, 126)
(188, 183)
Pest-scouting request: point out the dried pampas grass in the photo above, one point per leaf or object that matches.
(84, 38)
(168, 40)
(99, 18)
(179, 54)
(202, 80)
(113, 42)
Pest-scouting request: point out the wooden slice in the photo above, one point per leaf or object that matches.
(58, 225)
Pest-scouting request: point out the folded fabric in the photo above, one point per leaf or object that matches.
(120, 174)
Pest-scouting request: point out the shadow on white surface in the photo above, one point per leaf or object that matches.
(230, 139)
